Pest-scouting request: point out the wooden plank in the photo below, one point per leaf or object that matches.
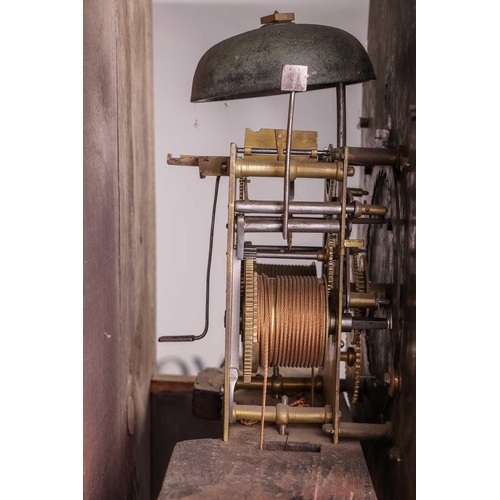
(209, 468)
(172, 421)
(304, 463)
(102, 427)
(137, 223)
(119, 248)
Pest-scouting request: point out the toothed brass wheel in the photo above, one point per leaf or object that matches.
(353, 340)
(249, 320)
(330, 265)
(353, 373)
(330, 239)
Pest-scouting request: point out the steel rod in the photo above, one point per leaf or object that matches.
(286, 189)
(275, 225)
(193, 338)
(274, 151)
(288, 255)
(295, 207)
(354, 430)
(341, 116)
(371, 324)
(273, 248)
(357, 156)
(357, 192)
(368, 156)
(313, 208)
(349, 323)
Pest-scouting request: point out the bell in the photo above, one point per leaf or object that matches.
(251, 64)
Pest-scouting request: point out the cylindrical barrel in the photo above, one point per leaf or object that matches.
(368, 156)
(275, 225)
(273, 270)
(298, 169)
(354, 430)
(296, 207)
(349, 323)
(377, 210)
(284, 414)
(280, 385)
(309, 208)
(371, 323)
(362, 300)
(292, 320)
(253, 412)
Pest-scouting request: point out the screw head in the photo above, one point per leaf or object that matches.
(328, 429)
(395, 455)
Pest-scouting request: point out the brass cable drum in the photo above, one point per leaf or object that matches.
(292, 314)
(249, 305)
(273, 270)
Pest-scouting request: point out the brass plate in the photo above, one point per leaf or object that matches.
(276, 139)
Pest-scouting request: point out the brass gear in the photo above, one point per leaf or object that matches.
(330, 188)
(249, 320)
(353, 373)
(330, 264)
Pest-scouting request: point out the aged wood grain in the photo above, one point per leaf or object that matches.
(209, 468)
(119, 248)
(172, 421)
(303, 464)
(389, 103)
